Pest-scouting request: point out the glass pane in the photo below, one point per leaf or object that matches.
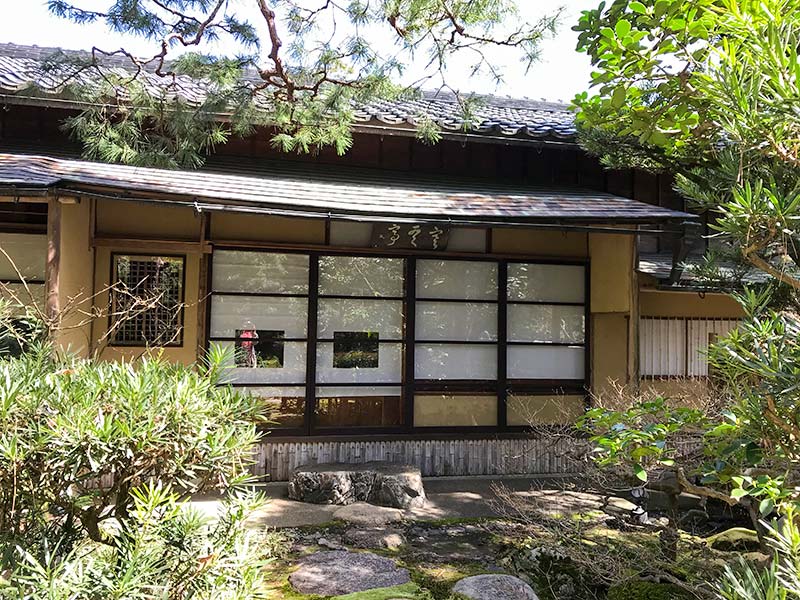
(285, 405)
(448, 410)
(360, 276)
(455, 361)
(259, 272)
(359, 407)
(351, 234)
(456, 321)
(532, 410)
(546, 283)
(456, 279)
(382, 316)
(546, 362)
(355, 349)
(230, 314)
(542, 323)
(291, 370)
(388, 369)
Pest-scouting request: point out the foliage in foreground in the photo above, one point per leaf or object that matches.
(708, 90)
(293, 66)
(95, 458)
(165, 550)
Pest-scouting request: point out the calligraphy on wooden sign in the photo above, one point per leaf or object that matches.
(407, 236)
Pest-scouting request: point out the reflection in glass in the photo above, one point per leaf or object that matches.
(285, 406)
(259, 272)
(291, 371)
(259, 348)
(360, 276)
(546, 283)
(456, 321)
(387, 371)
(232, 313)
(457, 279)
(359, 407)
(382, 316)
(543, 323)
(355, 349)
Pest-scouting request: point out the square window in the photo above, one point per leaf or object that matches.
(147, 300)
(355, 349)
(259, 348)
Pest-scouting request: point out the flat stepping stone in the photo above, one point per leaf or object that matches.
(370, 515)
(339, 572)
(493, 587)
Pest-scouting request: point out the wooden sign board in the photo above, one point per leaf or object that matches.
(405, 236)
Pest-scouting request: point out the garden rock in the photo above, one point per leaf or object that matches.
(378, 537)
(382, 483)
(736, 539)
(368, 515)
(337, 572)
(493, 587)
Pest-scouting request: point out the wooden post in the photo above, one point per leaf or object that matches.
(53, 304)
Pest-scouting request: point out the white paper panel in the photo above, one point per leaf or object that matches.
(293, 370)
(701, 332)
(360, 276)
(351, 234)
(546, 283)
(383, 316)
(543, 323)
(451, 361)
(389, 369)
(466, 239)
(28, 253)
(229, 313)
(469, 322)
(662, 347)
(470, 280)
(345, 391)
(546, 362)
(259, 272)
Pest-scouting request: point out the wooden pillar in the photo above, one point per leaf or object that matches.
(52, 268)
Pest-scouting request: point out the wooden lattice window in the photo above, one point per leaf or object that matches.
(147, 298)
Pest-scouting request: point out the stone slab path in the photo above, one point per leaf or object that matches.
(494, 587)
(340, 572)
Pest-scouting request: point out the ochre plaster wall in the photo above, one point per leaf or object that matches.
(442, 410)
(150, 221)
(533, 242)
(655, 303)
(75, 289)
(260, 228)
(187, 352)
(528, 410)
(613, 310)
(688, 392)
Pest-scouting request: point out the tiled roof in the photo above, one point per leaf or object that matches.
(659, 266)
(21, 76)
(314, 190)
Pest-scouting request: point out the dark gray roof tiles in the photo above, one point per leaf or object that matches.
(280, 188)
(21, 74)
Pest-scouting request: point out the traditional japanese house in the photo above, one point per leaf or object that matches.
(408, 302)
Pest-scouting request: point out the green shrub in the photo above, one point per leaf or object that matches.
(77, 436)
(646, 590)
